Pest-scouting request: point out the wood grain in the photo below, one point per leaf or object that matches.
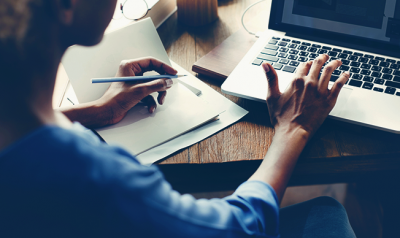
(197, 12)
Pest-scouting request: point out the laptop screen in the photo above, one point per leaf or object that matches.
(371, 20)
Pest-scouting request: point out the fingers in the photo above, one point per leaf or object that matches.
(272, 77)
(150, 102)
(161, 97)
(303, 69)
(327, 74)
(317, 66)
(155, 86)
(139, 66)
(337, 86)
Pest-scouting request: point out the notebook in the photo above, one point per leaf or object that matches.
(139, 131)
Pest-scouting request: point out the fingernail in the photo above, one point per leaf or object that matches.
(347, 73)
(266, 68)
(169, 83)
(162, 100)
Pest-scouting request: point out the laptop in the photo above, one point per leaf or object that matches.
(364, 34)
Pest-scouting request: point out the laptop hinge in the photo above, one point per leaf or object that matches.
(372, 48)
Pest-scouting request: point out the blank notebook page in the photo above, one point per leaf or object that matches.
(140, 131)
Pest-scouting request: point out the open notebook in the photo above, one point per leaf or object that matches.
(139, 131)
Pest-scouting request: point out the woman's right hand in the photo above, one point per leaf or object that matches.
(307, 101)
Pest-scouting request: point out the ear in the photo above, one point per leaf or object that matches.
(65, 10)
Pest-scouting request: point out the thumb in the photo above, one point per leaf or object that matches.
(272, 77)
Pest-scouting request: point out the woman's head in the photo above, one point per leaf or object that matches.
(28, 24)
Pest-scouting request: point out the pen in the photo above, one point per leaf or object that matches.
(135, 78)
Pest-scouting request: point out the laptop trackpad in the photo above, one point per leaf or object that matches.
(341, 102)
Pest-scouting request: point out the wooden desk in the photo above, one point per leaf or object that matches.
(339, 152)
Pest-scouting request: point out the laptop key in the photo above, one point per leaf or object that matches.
(271, 47)
(285, 39)
(302, 47)
(306, 44)
(357, 76)
(284, 61)
(391, 61)
(355, 83)
(294, 63)
(332, 53)
(282, 43)
(273, 42)
(379, 58)
(296, 41)
(302, 59)
(369, 56)
(357, 54)
(392, 84)
(368, 79)
(366, 66)
(337, 50)
(344, 67)
(269, 52)
(384, 64)
(282, 55)
(312, 50)
(378, 89)
(398, 94)
(367, 85)
(394, 66)
(387, 71)
(322, 51)
(355, 70)
(336, 72)
(353, 58)
(387, 76)
(363, 60)
(345, 62)
(278, 66)
(268, 57)
(276, 38)
(347, 52)
(326, 48)
(396, 79)
(283, 49)
(376, 68)
(316, 46)
(365, 72)
(390, 90)
(293, 52)
(376, 74)
(303, 53)
(374, 62)
(257, 62)
(289, 69)
(355, 64)
(397, 73)
(343, 56)
(379, 81)
(313, 56)
(292, 57)
(293, 46)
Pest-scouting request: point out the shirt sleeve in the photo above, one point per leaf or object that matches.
(142, 196)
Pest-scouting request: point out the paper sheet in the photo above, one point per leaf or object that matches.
(231, 114)
(140, 131)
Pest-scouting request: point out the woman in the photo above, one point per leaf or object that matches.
(59, 180)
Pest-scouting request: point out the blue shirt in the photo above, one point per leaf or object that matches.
(67, 183)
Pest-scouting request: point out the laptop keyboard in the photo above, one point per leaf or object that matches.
(367, 71)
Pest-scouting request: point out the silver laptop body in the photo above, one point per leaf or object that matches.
(372, 95)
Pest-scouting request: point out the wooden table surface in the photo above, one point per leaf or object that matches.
(339, 152)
